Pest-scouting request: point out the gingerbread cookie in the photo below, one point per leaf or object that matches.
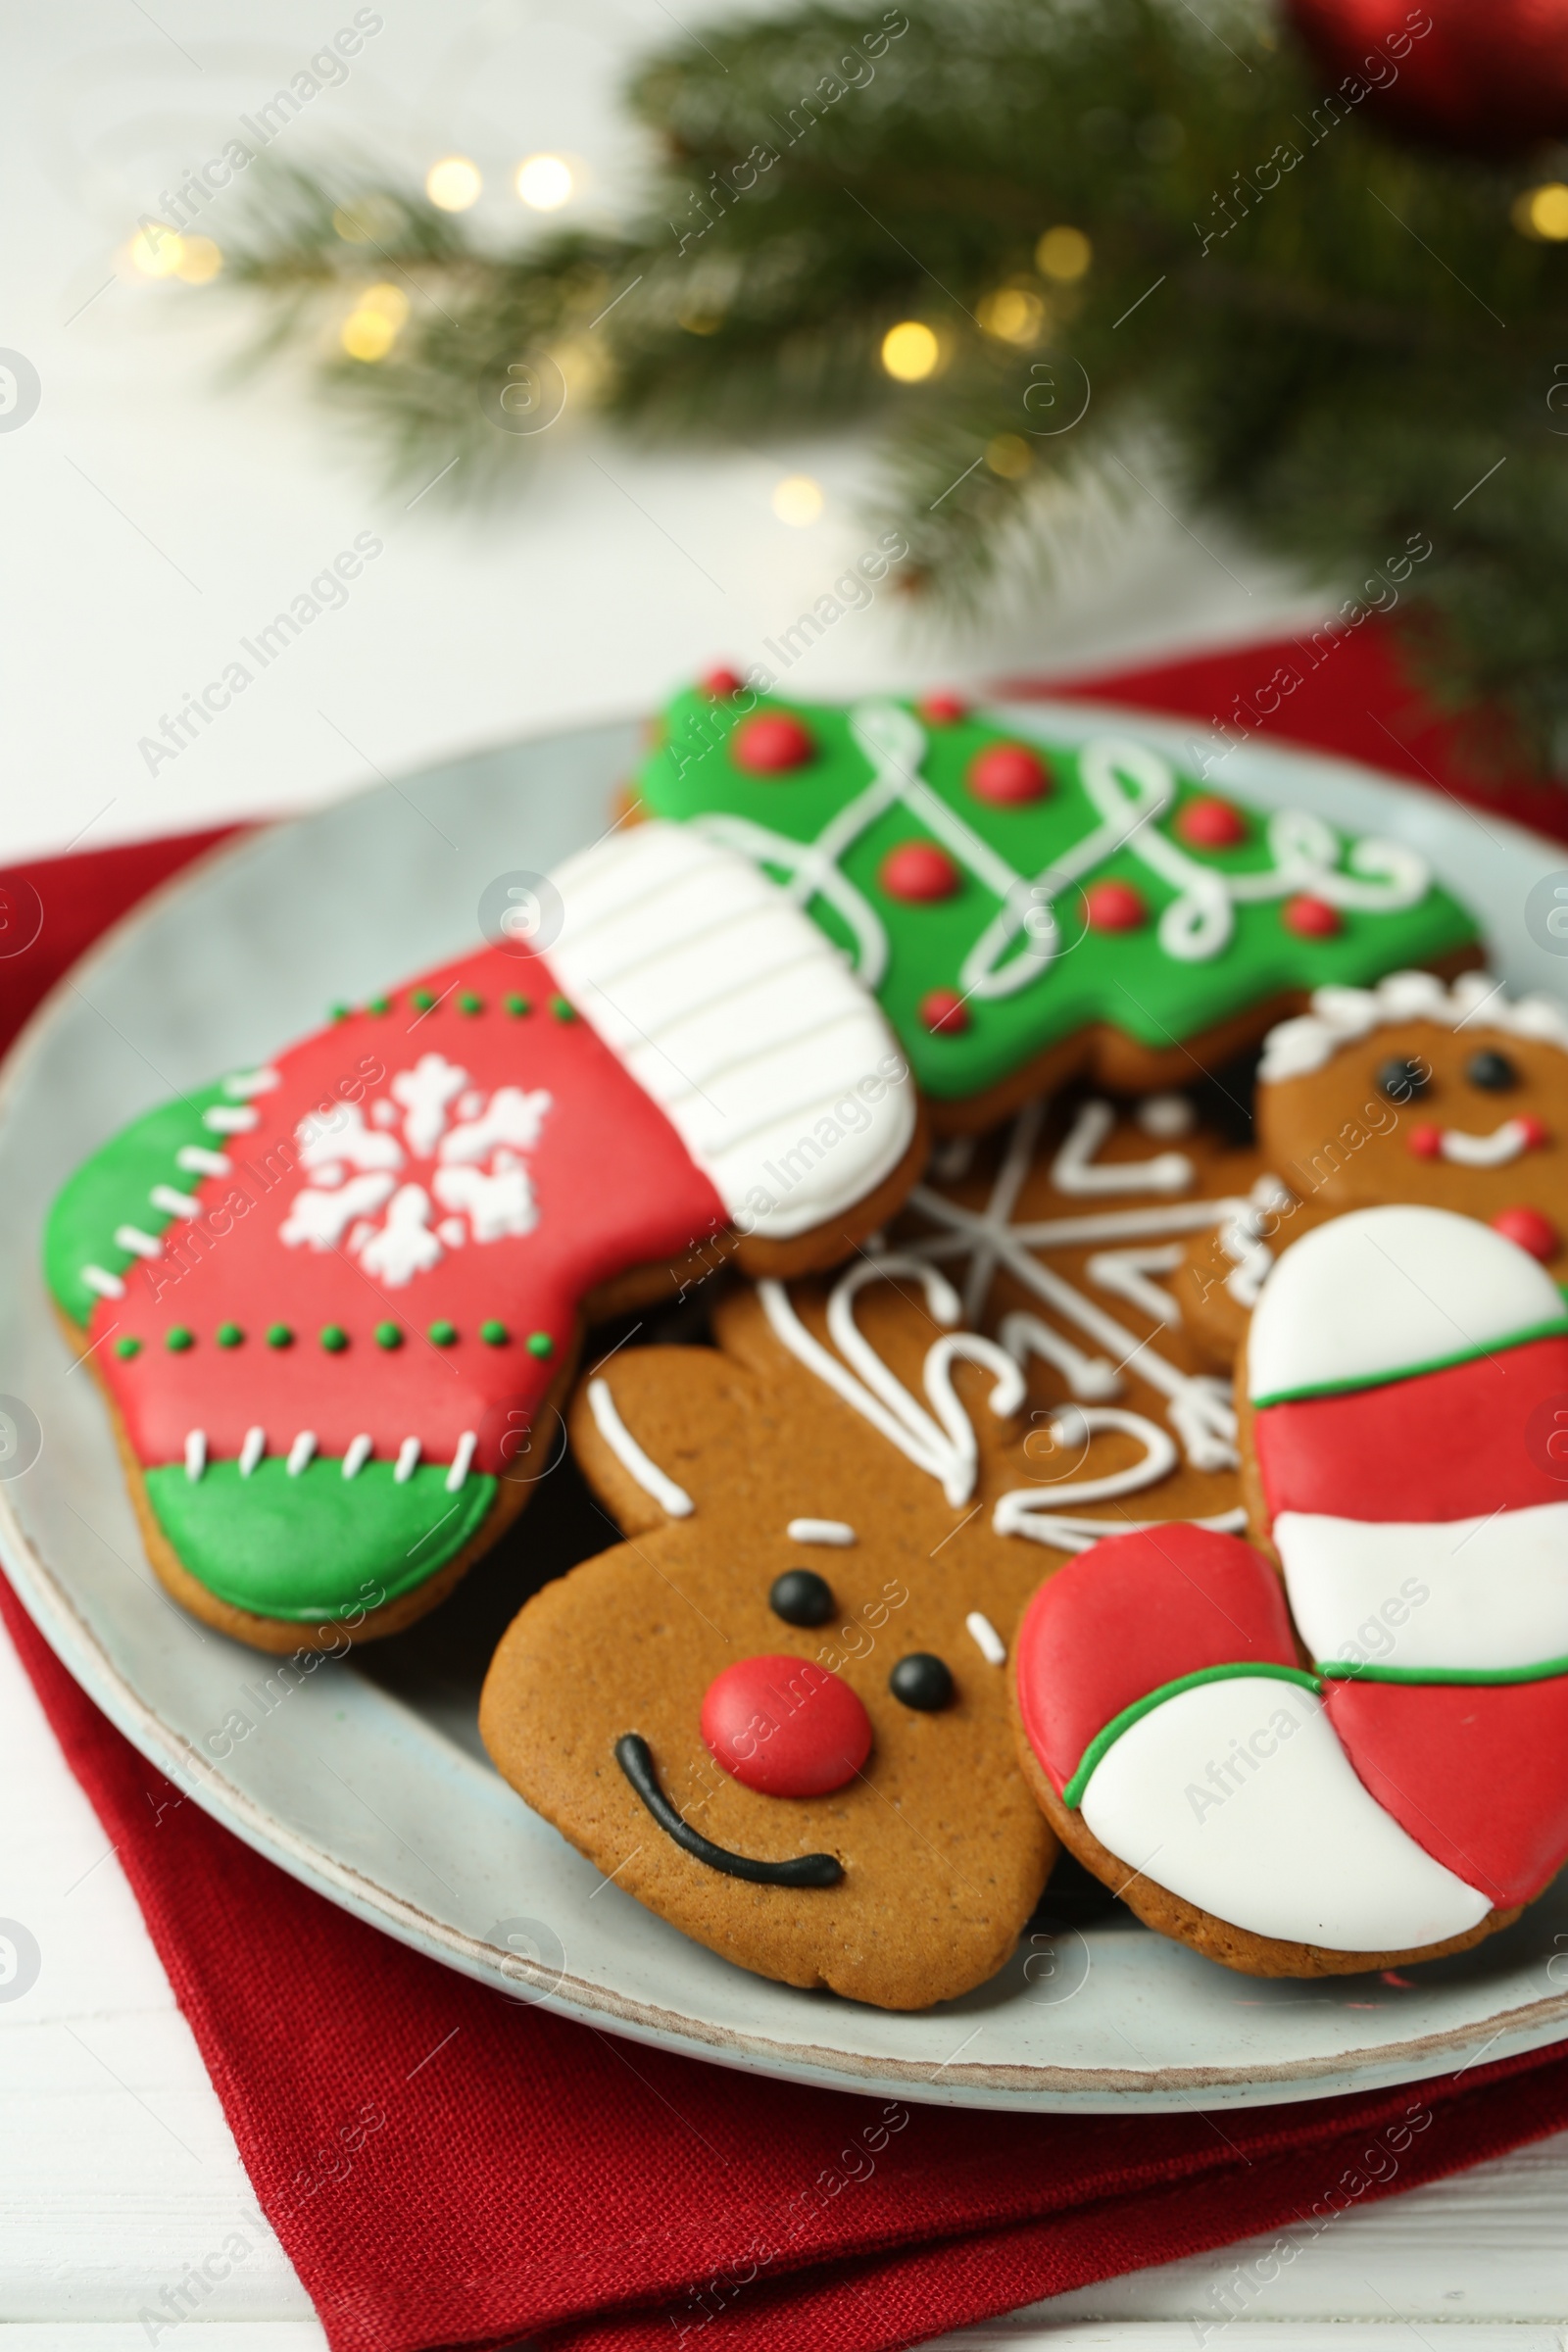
(329, 1298)
(1373, 1774)
(1026, 912)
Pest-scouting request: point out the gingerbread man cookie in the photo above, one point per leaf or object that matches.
(327, 1299)
(1027, 910)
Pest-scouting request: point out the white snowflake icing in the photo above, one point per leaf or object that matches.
(332, 1141)
(498, 1203)
(404, 1246)
(426, 1093)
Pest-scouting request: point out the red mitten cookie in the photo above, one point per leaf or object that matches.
(328, 1300)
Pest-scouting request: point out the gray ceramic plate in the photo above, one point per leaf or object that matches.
(368, 1781)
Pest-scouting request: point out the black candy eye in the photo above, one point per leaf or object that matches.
(1401, 1080)
(1491, 1071)
(801, 1597)
(921, 1682)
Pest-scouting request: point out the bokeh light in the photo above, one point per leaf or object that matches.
(544, 182)
(910, 351)
(797, 500)
(454, 183)
(1065, 255)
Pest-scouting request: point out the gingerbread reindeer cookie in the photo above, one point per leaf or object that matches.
(327, 1299)
(1028, 911)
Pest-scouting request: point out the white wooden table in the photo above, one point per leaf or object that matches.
(150, 520)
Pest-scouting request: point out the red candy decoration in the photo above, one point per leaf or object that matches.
(920, 873)
(1115, 907)
(1008, 776)
(943, 710)
(784, 1727)
(1534, 1133)
(1427, 1141)
(1312, 918)
(722, 684)
(771, 744)
(943, 1012)
(1529, 1230)
(1211, 824)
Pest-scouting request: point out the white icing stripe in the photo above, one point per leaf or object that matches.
(1033, 1510)
(301, 1452)
(461, 1460)
(1091, 1379)
(1339, 1016)
(99, 1279)
(251, 1452)
(986, 1637)
(245, 1083)
(820, 1531)
(1384, 1290)
(408, 1461)
(139, 1244)
(1499, 1149)
(731, 1009)
(195, 1454)
(1067, 1531)
(1125, 1274)
(196, 1160)
(1237, 1797)
(230, 1122)
(1470, 1592)
(1076, 1170)
(358, 1454)
(671, 1498)
(176, 1204)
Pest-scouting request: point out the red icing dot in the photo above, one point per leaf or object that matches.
(771, 743)
(785, 1727)
(722, 684)
(1115, 907)
(943, 710)
(1212, 824)
(1529, 1230)
(918, 872)
(943, 1012)
(1535, 1134)
(1008, 775)
(1427, 1141)
(1312, 918)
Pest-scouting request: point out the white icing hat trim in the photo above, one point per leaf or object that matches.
(1389, 1290)
(1294, 1847)
(1480, 1593)
(1339, 1016)
(731, 1009)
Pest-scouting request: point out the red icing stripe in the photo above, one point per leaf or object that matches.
(1477, 1774)
(1132, 1613)
(1444, 1445)
(613, 1188)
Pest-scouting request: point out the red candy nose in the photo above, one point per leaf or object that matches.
(785, 1727)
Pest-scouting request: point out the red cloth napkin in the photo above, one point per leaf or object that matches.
(446, 2165)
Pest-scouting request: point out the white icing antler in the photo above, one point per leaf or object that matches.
(945, 1446)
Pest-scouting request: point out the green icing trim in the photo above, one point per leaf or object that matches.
(540, 1344)
(494, 1335)
(113, 1188)
(1556, 1328)
(1073, 1794)
(334, 1339)
(320, 1547)
(279, 1334)
(1125, 977)
(518, 1006)
(177, 1339)
(229, 1335)
(1545, 1671)
(441, 1333)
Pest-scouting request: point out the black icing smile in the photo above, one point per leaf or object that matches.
(636, 1761)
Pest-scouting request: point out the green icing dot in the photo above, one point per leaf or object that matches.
(518, 1006)
(467, 1002)
(541, 1344)
(279, 1334)
(562, 1009)
(494, 1335)
(334, 1339)
(178, 1338)
(442, 1332)
(340, 1013)
(422, 1000)
(127, 1347)
(320, 1547)
(389, 1335)
(229, 1335)
(379, 1004)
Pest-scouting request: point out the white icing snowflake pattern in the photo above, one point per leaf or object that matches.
(478, 1188)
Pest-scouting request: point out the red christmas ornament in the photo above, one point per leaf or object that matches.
(722, 684)
(785, 1727)
(1008, 775)
(1493, 80)
(1212, 824)
(771, 744)
(1312, 918)
(920, 873)
(943, 1012)
(943, 710)
(1529, 1230)
(1115, 907)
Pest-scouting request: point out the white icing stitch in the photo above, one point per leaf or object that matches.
(513, 1118)
(301, 1452)
(404, 1246)
(358, 1454)
(426, 1093)
(1074, 1169)
(1165, 1116)
(174, 1205)
(318, 1221)
(99, 1279)
(1478, 1592)
(1091, 1379)
(341, 1140)
(820, 1531)
(230, 1122)
(1339, 1016)
(1125, 1274)
(462, 1461)
(245, 1083)
(139, 1244)
(195, 1454)
(196, 1160)
(1034, 1512)
(1237, 1797)
(986, 1637)
(1504, 1145)
(944, 1446)
(408, 1461)
(671, 1498)
(498, 1205)
(1071, 1532)
(251, 1452)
